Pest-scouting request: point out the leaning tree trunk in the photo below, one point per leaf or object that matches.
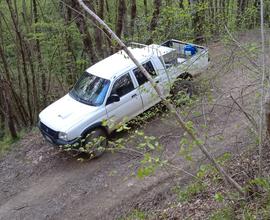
(172, 109)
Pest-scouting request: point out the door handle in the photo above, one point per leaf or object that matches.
(133, 96)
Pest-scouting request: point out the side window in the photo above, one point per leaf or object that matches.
(139, 75)
(123, 85)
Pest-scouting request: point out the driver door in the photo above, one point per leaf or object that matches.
(130, 104)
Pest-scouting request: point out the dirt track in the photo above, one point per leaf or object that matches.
(38, 182)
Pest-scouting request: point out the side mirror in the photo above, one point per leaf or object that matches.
(113, 98)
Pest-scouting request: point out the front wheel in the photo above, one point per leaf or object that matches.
(96, 143)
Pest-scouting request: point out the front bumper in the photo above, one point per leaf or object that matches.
(75, 142)
(52, 137)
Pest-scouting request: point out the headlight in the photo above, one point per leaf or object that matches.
(63, 136)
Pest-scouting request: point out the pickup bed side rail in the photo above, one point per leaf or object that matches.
(168, 43)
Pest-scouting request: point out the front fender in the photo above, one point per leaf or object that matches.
(93, 127)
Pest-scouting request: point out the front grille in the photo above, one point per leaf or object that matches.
(48, 131)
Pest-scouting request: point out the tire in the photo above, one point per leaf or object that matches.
(182, 85)
(96, 142)
(182, 90)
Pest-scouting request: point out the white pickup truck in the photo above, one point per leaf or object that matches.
(115, 90)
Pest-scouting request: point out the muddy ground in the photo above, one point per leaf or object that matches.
(39, 182)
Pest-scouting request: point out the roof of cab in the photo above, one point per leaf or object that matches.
(119, 62)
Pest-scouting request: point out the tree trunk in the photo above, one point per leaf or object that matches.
(154, 20)
(2, 117)
(23, 57)
(120, 17)
(98, 32)
(197, 20)
(181, 4)
(262, 110)
(169, 3)
(85, 34)
(133, 14)
(70, 57)
(267, 116)
(145, 8)
(11, 123)
(17, 100)
(41, 68)
(240, 10)
(8, 110)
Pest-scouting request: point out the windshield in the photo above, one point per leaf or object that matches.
(90, 89)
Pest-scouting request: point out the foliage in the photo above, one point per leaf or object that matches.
(224, 213)
(7, 142)
(135, 215)
(190, 192)
(174, 23)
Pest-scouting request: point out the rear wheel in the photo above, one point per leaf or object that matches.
(96, 142)
(182, 91)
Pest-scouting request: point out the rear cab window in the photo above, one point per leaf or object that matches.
(141, 77)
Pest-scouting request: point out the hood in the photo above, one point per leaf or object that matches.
(65, 113)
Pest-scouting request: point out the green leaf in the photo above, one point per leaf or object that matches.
(219, 197)
(151, 146)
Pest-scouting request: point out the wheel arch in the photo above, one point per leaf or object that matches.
(185, 75)
(97, 125)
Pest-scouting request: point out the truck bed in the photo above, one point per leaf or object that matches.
(178, 62)
(174, 59)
